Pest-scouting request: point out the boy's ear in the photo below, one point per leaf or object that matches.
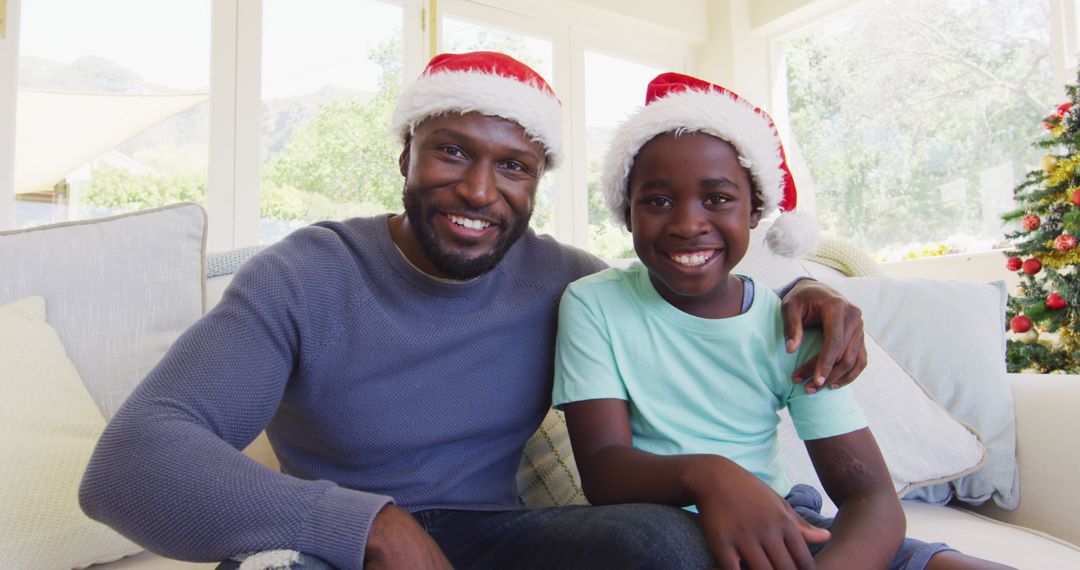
(755, 217)
(403, 159)
(626, 219)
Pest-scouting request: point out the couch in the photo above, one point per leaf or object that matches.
(118, 290)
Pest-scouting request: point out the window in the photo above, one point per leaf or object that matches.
(332, 72)
(273, 113)
(913, 120)
(614, 89)
(111, 117)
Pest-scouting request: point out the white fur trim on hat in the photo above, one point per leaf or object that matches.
(710, 112)
(531, 106)
(793, 234)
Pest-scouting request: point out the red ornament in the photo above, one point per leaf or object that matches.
(1065, 242)
(1055, 302)
(1014, 263)
(1020, 324)
(1032, 266)
(1056, 117)
(1076, 197)
(1030, 222)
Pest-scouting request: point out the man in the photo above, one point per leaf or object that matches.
(398, 364)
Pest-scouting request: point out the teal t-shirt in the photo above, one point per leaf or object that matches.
(693, 385)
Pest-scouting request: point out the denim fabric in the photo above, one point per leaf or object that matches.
(913, 554)
(641, 536)
(632, 536)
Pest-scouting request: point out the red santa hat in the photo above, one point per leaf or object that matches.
(683, 104)
(488, 83)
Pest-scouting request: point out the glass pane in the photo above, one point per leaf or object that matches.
(614, 88)
(111, 116)
(915, 119)
(460, 36)
(331, 74)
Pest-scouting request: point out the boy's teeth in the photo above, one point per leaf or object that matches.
(691, 259)
(469, 223)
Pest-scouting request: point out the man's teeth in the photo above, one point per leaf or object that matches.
(469, 223)
(691, 259)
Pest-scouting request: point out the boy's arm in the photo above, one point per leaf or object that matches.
(870, 525)
(742, 518)
(808, 303)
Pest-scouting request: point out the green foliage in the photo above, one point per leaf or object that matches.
(343, 159)
(1040, 357)
(903, 97)
(120, 189)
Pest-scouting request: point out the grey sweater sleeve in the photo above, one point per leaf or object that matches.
(167, 472)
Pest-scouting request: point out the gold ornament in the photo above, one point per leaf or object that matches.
(1029, 337)
(1049, 162)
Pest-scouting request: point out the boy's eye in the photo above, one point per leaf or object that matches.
(658, 202)
(716, 200)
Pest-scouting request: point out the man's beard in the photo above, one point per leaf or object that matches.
(449, 264)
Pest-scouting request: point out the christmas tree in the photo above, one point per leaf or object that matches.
(1044, 313)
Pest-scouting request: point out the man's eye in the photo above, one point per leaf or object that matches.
(452, 150)
(515, 166)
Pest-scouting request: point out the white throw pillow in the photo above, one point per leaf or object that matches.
(950, 335)
(922, 443)
(50, 426)
(119, 290)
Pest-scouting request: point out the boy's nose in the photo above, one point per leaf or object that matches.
(688, 221)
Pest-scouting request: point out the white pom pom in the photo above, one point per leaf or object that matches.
(793, 234)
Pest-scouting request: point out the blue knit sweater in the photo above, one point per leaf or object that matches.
(374, 382)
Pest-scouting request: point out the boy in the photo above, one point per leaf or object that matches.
(656, 413)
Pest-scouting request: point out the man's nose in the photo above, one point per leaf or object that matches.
(477, 186)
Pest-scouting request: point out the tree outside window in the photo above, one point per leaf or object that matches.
(915, 119)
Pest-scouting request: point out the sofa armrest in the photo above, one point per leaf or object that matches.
(1046, 422)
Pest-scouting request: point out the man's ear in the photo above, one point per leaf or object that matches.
(403, 159)
(755, 217)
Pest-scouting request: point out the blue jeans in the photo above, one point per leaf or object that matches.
(631, 536)
(641, 536)
(913, 554)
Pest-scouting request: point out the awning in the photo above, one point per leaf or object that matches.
(57, 132)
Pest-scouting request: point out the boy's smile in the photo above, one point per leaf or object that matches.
(691, 211)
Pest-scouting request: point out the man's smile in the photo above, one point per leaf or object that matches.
(470, 223)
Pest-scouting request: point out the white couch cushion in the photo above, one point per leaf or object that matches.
(986, 538)
(119, 290)
(50, 426)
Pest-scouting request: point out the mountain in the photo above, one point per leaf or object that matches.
(189, 129)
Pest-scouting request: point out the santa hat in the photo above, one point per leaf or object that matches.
(488, 83)
(683, 104)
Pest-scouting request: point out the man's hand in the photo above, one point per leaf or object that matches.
(396, 540)
(843, 354)
(747, 525)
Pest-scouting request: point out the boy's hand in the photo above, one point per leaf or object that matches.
(746, 522)
(843, 354)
